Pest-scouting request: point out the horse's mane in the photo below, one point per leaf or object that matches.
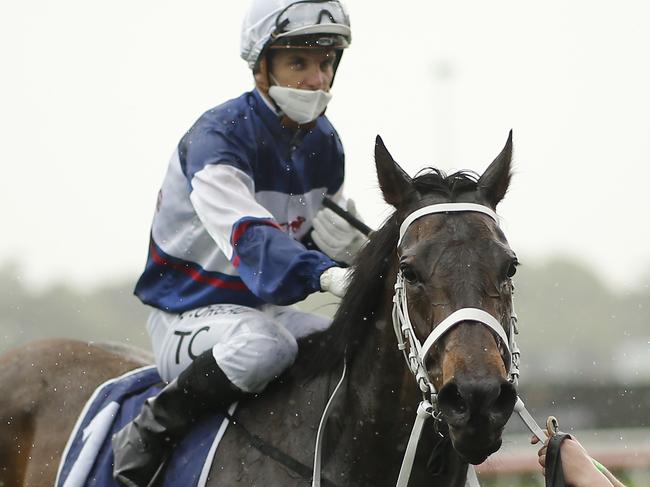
(363, 299)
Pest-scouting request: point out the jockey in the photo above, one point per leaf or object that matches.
(240, 233)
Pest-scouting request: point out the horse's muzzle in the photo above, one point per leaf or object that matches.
(476, 411)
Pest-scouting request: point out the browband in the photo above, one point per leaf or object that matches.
(444, 208)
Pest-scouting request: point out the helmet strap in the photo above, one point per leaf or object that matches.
(262, 79)
(339, 55)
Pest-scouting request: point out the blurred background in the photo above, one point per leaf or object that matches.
(94, 97)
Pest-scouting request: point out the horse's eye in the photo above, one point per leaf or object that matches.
(512, 268)
(408, 272)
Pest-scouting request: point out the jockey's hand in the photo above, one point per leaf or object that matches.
(335, 280)
(336, 237)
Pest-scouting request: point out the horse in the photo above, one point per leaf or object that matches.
(445, 261)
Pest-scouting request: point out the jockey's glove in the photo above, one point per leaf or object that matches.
(336, 237)
(335, 280)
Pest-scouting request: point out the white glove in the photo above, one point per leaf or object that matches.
(335, 280)
(336, 237)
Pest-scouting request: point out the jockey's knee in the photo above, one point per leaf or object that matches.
(253, 359)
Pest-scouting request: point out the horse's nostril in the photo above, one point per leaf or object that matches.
(505, 401)
(456, 401)
(459, 400)
(452, 404)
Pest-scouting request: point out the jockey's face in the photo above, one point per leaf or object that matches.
(305, 69)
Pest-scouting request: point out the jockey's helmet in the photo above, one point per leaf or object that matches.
(272, 24)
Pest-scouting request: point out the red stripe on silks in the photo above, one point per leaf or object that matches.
(196, 275)
(239, 231)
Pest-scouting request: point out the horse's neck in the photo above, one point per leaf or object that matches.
(366, 434)
(362, 433)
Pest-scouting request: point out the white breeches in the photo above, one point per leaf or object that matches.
(252, 346)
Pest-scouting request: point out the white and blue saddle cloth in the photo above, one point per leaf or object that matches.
(88, 457)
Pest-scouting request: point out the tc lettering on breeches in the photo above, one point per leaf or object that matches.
(251, 345)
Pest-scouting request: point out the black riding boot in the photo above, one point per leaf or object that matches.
(143, 446)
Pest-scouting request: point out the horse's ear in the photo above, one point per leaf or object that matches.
(395, 184)
(493, 184)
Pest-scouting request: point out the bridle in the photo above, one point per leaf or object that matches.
(407, 340)
(415, 352)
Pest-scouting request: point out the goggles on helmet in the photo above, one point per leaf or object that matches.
(313, 41)
(313, 17)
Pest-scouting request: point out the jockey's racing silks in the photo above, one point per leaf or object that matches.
(236, 207)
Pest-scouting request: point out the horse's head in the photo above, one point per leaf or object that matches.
(450, 261)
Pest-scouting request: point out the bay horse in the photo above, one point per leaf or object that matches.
(446, 261)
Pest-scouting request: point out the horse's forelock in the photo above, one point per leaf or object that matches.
(434, 181)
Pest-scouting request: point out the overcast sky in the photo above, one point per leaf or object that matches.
(95, 95)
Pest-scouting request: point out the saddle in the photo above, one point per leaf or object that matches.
(88, 457)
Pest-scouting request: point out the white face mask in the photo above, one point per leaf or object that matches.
(301, 106)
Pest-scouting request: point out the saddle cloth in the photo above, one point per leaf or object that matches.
(88, 457)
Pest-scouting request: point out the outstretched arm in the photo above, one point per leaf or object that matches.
(610, 476)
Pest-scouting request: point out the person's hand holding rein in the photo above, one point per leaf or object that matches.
(578, 467)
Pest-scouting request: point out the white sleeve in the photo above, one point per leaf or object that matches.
(222, 195)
